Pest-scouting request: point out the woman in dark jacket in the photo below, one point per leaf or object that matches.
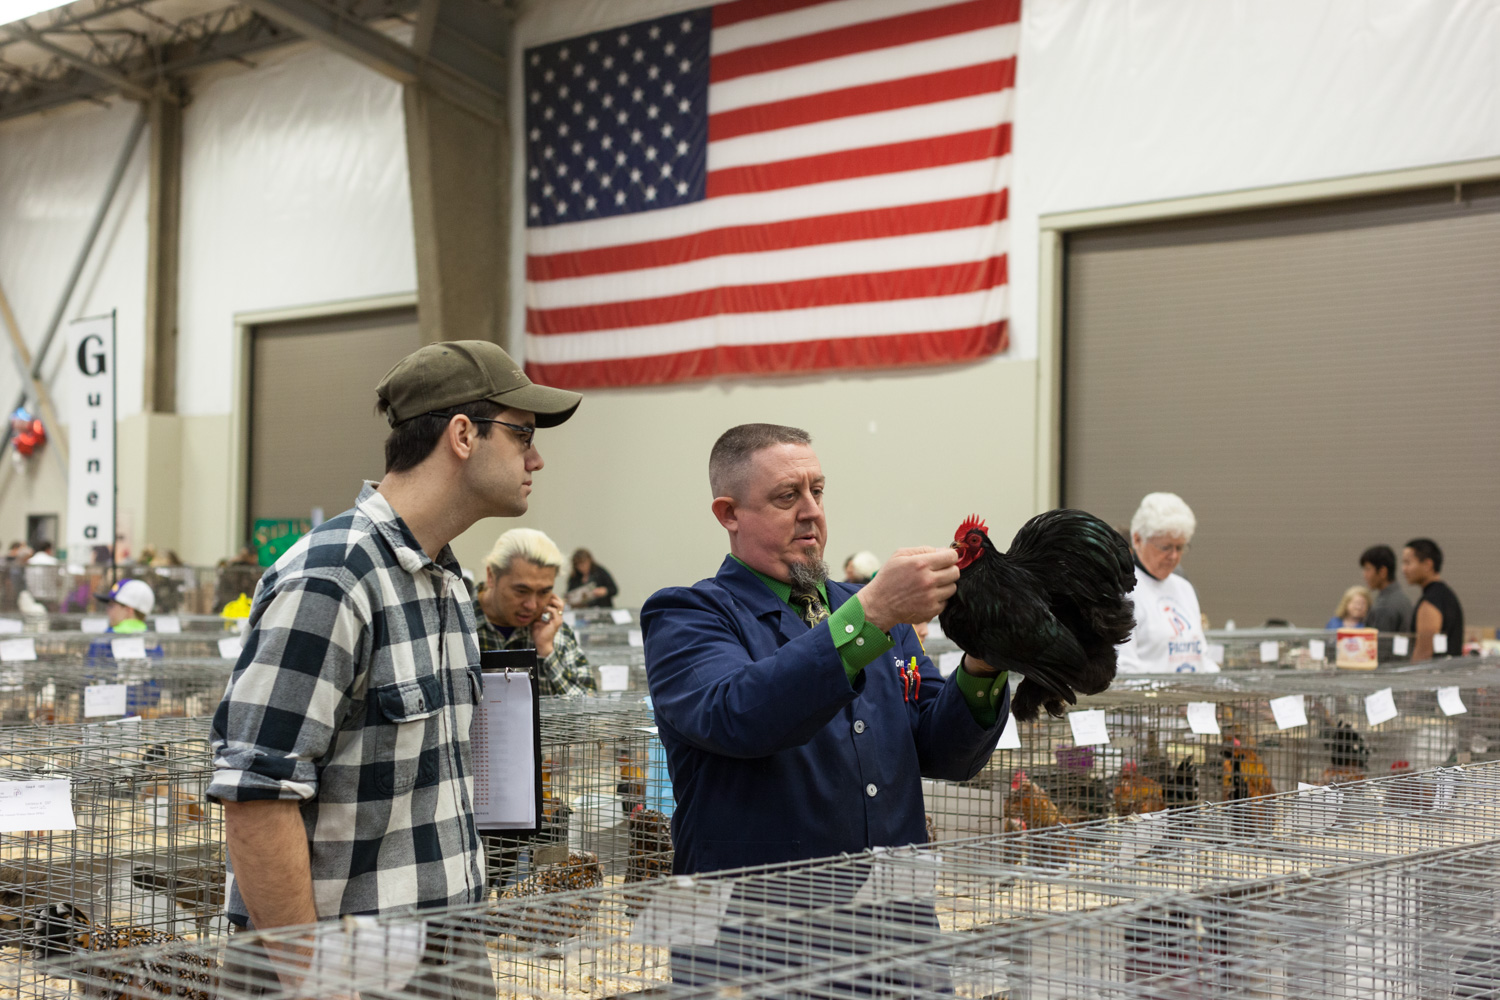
(590, 585)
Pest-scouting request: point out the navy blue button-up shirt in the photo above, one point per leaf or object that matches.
(774, 755)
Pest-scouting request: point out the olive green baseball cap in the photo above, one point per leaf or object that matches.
(441, 376)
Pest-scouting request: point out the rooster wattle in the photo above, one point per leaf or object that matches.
(1053, 608)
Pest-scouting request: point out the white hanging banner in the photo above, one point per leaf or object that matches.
(90, 364)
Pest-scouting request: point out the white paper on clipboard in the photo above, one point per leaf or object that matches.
(503, 745)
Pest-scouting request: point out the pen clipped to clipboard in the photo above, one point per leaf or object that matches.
(506, 744)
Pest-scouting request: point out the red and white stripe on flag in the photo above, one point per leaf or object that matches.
(853, 215)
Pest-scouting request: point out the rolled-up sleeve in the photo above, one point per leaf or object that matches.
(290, 690)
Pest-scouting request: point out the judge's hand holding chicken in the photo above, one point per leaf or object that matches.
(914, 587)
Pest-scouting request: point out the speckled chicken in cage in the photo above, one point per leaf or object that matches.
(537, 918)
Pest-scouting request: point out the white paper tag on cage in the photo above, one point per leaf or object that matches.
(1216, 652)
(367, 954)
(9, 626)
(570, 619)
(159, 808)
(169, 624)
(682, 911)
(18, 649)
(36, 805)
(94, 626)
(1290, 711)
(231, 648)
(1316, 807)
(949, 662)
(1088, 728)
(1317, 649)
(1380, 707)
(1450, 701)
(1203, 718)
(104, 699)
(1400, 645)
(614, 678)
(130, 647)
(1140, 833)
(1445, 789)
(1010, 737)
(620, 616)
(635, 637)
(1439, 644)
(1270, 651)
(900, 875)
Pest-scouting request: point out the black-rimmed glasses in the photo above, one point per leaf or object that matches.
(526, 432)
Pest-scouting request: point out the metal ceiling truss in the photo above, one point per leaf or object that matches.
(127, 49)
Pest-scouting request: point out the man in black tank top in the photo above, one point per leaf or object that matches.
(1438, 612)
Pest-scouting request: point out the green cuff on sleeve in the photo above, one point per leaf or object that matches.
(983, 695)
(857, 641)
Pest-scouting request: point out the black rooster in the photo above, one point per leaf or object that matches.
(1053, 608)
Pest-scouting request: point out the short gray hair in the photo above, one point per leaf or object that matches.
(523, 543)
(726, 463)
(1163, 514)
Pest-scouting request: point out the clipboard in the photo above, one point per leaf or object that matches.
(506, 740)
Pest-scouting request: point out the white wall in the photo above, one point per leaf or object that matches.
(295, 192)
(53, 173)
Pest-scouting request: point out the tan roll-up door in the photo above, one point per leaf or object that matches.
(1312, 380)
(314, 434)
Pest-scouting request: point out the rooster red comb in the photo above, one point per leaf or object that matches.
(971, 523)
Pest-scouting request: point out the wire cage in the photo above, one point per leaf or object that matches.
(1388, 875)
(188, 590)
(1179, 741)
(143, 861)
(82, 622)
(49, 693)
(606, 803)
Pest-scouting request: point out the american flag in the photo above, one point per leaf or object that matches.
(768, 187)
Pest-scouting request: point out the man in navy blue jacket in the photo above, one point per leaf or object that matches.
(798, 714)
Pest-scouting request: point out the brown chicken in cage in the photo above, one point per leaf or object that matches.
(1412, 794)
(1245, 777)
(1028, 807)
(650, 836)
(554, 921)
(1135, 793)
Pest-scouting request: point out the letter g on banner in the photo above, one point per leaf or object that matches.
(91, 359)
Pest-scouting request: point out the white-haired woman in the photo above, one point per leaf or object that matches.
(1168, 636)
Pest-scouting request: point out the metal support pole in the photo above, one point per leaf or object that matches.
(115, 177)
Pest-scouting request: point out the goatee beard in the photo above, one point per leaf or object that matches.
(807, 576)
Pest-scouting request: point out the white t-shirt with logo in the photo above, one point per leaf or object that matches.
(1168, 636)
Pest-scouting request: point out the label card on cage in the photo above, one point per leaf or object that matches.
(620, 616)
(1400, 645)
(131, 647)
(1317, 649)
(1216, 652)
(505, 739)
(1088, 728)
(1380, 707)
(905, 875)
(613, 677)
(36, 805)
(9, 626)
(949, 662)
(1270, 651)
(94, 626)
(168, 623)
(1203, 718)
(635, 637)
(104, 699)
(1010, 739)
(1140, 833)
(18, 649)
(231, 648)
(1450, 702)
(1439, 644)
(683, 911)
(1290, 711)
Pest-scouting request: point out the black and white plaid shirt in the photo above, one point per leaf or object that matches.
(354, 695)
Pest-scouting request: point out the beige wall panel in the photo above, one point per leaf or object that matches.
(907, 457)
(205, 535)
(37, 488)
(150, 479)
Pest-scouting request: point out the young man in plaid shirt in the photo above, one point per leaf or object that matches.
(519, 608)
(341, 747)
